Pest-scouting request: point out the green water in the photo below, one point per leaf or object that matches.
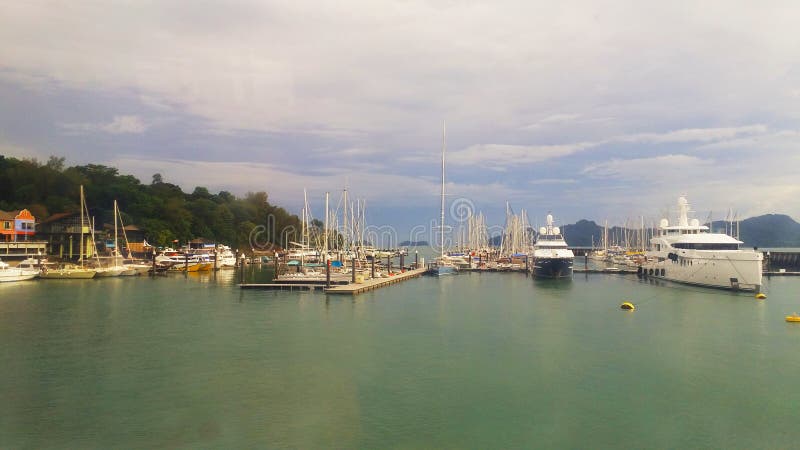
(469, 361)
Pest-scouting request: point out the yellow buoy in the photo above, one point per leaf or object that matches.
(628, 306)
(761, 296)
(793, 318)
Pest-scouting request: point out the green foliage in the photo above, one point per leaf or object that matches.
(161, 209)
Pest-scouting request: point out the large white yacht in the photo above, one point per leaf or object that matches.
(687, 252)
(551, 257)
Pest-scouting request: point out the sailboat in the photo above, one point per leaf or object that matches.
(69, 271)
(134, 267)
(443, 265)
(115, 269)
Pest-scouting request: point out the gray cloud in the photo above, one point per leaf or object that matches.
(118, 125)
(309, 93)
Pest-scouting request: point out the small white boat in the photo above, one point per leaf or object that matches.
(8, 273)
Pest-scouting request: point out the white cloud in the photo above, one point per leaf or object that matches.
(118, 125)
(540, 181)
(675, 167)
(553, 119)
(500, 156)
(695, 135)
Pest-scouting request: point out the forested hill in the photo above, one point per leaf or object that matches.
(161, 209)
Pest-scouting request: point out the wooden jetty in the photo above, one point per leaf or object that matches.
(375, 283)
(337, 287)
(284, 286)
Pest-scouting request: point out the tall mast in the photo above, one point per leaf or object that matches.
(325, 239)
(116, 245)
(441, 223)
(82, 206)
(346, 244)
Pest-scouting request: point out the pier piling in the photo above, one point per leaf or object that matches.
(328, 274)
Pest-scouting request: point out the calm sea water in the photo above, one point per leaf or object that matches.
(470, 361)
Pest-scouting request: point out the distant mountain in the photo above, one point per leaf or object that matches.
(767, 231)
(583, 233)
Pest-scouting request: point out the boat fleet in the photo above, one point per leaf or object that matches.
(681, 251)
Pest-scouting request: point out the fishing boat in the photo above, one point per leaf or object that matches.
(687, 252)
(443, 265)
(9, 274)
(551, 256)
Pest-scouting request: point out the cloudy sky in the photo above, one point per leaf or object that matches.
(600, 110)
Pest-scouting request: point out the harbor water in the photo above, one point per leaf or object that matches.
(492, 360)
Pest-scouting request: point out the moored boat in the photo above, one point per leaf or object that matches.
(551, 256)
(689, 253)
(67, 272)
(9, 274)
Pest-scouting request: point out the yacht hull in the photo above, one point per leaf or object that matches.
(441, 271)
(552, 268)
(733, 272)
(16, 275)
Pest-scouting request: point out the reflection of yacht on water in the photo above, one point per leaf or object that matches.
(687, 252)
(551, 257)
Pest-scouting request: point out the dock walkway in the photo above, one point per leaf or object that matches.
(374, 283)
(336, 287)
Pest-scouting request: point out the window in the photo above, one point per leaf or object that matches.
(705, 246)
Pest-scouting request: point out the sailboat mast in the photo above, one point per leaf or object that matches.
(441, 222)
(346, 244)
(116, 245)
(325, 239)
(82, 206)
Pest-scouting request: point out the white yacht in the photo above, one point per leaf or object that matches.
(687, 252)
(8, 273)
(551, 257)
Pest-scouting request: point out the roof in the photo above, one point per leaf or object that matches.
(23, 214)
(8, 215)
(58, 216)
(131, 228)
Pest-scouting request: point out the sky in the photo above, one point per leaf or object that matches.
(586, 109)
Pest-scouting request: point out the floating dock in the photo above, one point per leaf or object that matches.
(284, 286)
(375, 283)
(337, 287)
